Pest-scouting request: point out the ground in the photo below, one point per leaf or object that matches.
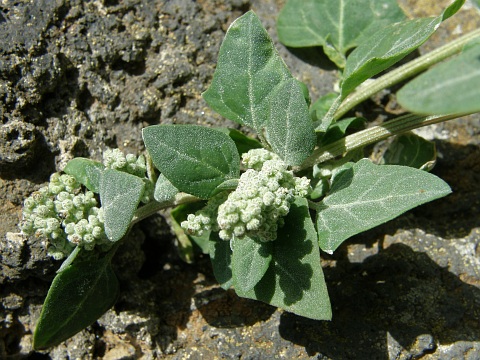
(79, 76)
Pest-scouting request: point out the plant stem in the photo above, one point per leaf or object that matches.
(369, 136)
(404, 72)
(154, 206)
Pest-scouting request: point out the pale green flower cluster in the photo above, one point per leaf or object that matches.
(205, 219)
(65, 217)
(116, 159)
(258, 205)
(255, 158)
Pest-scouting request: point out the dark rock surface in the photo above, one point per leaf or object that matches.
(78, 76)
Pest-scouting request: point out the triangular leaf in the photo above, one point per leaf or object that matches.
(338, 25)
(289, 130)
(249, 263)
(195, 159)
(248, 70)
(120, 194)
(294, 280)
(87, 172)
(367, 195)
(389, 45)
(452, 87)
(78, 296)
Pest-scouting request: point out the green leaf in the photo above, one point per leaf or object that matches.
(165, 191)
(452, 9)
(338, 25)
(367, 195)
(305, 92)
(339, 129)
(250, 261)
(195, 159)
(411, 150)
(87, 172)
(120, 194)
(452, 87)
(294, 280)
(249, 69)
(321, 106)
(289, 130)
(389, 45)
(221, 257)
(78, 296)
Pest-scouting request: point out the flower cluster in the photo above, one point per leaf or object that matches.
(257, 207)
(205, 219)
(116, 159)
(64, 216)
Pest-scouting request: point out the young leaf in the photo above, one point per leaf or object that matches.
(289, 130)
(87, 172)
(78, 296)
(367, 195)
(221, 257)
(248, 70)
(250, 261)
(195, 159)
(389, 45)
(120, 194)
(338, 130)
(338, 25)
(294, 280)
(320, 107)
(164, 190)
(452, 87)
(411, 150)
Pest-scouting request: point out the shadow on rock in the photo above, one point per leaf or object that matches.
(396, 303)
(224, 309)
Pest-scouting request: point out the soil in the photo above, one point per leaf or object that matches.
(79, 76)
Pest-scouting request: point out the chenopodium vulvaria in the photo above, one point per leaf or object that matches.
(257, 207)
(65, 215)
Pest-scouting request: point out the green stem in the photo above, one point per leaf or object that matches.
(372, 135)
(404, 72)
(154, 206)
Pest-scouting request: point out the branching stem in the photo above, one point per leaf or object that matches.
(154, 206)
(404, 72)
